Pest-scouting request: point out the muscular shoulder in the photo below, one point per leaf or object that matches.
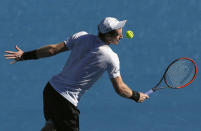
(113, 64)
(78, 34)
(79, 38)
(110, 56)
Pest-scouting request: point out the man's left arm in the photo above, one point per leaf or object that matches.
(51, 50)
(46, 51)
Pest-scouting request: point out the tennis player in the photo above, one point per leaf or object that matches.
(90, 57)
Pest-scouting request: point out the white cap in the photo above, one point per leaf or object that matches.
(109, 23)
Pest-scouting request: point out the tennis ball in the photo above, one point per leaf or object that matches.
(129, 34)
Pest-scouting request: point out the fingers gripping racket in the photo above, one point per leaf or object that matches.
(179, 74)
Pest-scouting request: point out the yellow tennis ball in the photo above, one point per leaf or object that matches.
(129, 34)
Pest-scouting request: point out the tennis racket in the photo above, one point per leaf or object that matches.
(179, 74)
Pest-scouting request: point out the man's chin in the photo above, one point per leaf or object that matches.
(115, 43)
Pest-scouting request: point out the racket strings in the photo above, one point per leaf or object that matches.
(180, 73)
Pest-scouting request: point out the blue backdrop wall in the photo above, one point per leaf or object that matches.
(164, 30)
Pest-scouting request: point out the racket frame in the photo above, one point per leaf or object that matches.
(195, 66)
(156, 87)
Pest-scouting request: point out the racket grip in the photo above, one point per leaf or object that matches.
(149, 92)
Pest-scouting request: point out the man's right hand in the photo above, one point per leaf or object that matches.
(16, 56)
(143, 97)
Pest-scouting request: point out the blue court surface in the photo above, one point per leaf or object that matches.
(164, 30)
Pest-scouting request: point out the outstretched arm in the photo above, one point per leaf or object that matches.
(123, 90)
(45, 51)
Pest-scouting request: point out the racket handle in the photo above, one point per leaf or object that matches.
(149, 92)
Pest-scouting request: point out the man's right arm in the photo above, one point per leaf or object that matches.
(123, 90)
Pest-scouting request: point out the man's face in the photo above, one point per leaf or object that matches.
(115, 39)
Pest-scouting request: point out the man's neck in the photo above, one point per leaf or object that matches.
(104, 40)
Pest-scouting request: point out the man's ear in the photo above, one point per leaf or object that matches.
(107, 35)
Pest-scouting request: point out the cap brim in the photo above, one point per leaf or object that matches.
(121, 24)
